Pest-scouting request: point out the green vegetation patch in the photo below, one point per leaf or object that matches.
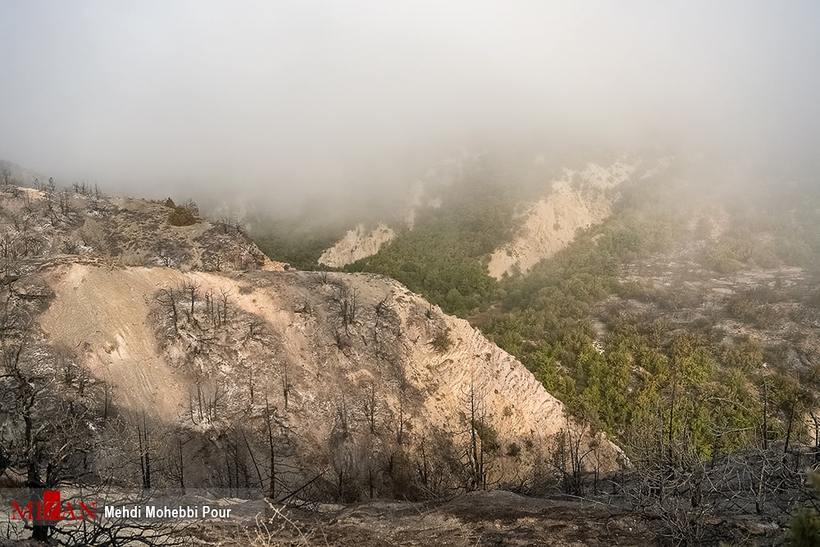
(444, 256)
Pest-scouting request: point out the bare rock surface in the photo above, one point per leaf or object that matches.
(112, 315)
(356, 244)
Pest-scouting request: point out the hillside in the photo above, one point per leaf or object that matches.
(601, 284)
(180, 356)
(47, 222)
(674, 307)
(283, 337)
(601, 279)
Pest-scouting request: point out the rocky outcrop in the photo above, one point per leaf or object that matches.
(356, 244)
(575, 202)
(82, 222)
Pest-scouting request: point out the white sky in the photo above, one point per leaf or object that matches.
(281, 99)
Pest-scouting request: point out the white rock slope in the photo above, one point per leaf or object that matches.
(356, 244)
(576, 201)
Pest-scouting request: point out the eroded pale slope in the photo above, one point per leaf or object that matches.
(356, 244)
(103, 314)
(576, 201)
(108, 313)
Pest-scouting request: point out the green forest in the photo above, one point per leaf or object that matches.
(688, 384)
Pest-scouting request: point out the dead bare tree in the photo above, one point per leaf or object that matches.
(144, 452)
(249, 366)
(476, 452)
(569, 456)
(256, 330)
(477, 457)
(50, 415)
(190, 287)
(5, 174)
(674, 483)
(224, 295)
(345, 303)
(342, 453)
(401, 420)
(385, 318)
(180, 464)
(210, 307)
(168, 300)
(227, 223)
(25, 390)
(64, 198)
(284, 378)
(270, 419)
(370, 406)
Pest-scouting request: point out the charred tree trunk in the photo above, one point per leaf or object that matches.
(272, 452)
(145, 453)
(181, 464)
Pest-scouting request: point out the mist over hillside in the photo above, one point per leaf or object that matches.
(276, 104)
(464, 273)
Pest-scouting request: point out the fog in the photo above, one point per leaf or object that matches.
(277, 101)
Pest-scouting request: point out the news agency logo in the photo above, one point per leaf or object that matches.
(51, 509)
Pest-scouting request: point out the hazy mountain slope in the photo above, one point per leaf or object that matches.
(661, 262)
(685, 274)
(422, 195)
(490, 221)
(366, 382)
(14, 174)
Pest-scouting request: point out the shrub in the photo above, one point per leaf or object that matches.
(181, 216)
(513, 450)
(488, 436)
(805, 529)
(442, 341)
(751, 307)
